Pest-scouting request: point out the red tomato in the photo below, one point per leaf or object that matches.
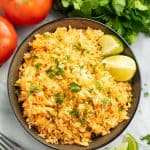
(8, 39)
(26, 12)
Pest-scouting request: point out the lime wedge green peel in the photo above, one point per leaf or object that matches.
(121, 67)
(111, 45)
(129, 143)
(132, 143)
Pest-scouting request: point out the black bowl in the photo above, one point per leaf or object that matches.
(78, 23)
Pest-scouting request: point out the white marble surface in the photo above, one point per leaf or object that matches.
(139, 126)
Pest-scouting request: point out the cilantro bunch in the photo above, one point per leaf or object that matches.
(127, 17)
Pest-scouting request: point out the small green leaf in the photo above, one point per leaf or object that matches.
(66, 3)
(146, 94)
(52, 116)
(17, 92)
(106, 102)
(60, 98)
(104, 2)
(90, 90)
(34, 56)
(60, 71)
(98, 85)
(37, 65)
(75, 87)
(67, 57)
(86, 8)
(74, 112)
(34, 89)
(51, 75)
(77, 4)
(146, 138)
(140, 6)
(119, 6)
(59, 101)
(81, 66)
(83, 119)
(130, 36)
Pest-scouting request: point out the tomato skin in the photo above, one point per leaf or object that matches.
(26, 13)
(8, 39)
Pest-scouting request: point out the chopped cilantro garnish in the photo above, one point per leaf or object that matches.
(37, 65)
(67, 57)
(60, 98)
(34, 56)
(71, 69)
(75, 87)
(147, 138)
(34, 89)
(59, 101)
(146, 94)
(98, 85)
(51, 75)
(105, 102)
(83, 119)
(52, 116)
(49, 70)
(90, 90)
(74, 112)
(60, 71)
(56, 62)
(17, 92)
(81, 66)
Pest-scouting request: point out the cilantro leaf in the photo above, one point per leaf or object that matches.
(106, 102)
(98, 85)
(37, 65)
(74, 112)
(127, 17)
(146, 94)
(75, 87)
(34, 89)
(104, 2)
(147, 138)
(60, 98)
(34, 56)
(17, 92)
(119, 6)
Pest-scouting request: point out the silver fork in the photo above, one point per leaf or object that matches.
(7, 144)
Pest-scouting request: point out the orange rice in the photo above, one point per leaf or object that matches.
(66, 92)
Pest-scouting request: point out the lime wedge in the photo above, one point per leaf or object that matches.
(122, 146)
(121, 67)
(132, 143)
(111, 45)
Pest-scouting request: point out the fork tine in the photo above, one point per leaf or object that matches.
(3, 146)
(11, 144)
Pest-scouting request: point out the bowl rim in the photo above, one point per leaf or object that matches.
(82, 19)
